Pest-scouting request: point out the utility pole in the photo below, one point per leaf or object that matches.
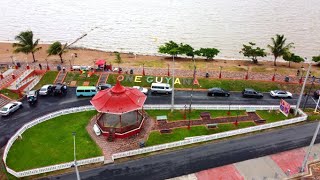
(304, 163)
(172, 95)
(191, 95)
(74, 153)
(302, 90)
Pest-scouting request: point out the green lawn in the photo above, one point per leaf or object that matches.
(9, 94)
(205, 83)
(51, 142)
(312, 116)
(273, 116)
(178, 134)
(47, 78)
(195, 114)
(81, 78)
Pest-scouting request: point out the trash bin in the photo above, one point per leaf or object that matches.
(18, 64)
(286, 79)
(141, 144)
(59, 68)
(131, 71)
(207, 75)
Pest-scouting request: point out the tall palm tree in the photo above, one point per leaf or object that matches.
(279, 47)
(56, 48)
(25, 44)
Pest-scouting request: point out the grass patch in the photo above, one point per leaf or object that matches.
(273, 116)
(47, 78)
(81, 78)
(195, 114)
(51, 142)
(178, 134)
(205, 83)
(9, 94)
(312, 116)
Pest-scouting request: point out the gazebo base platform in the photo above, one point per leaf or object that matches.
(130, 124)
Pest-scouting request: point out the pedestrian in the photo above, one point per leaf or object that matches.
(40, 66)
(298, 72)
(64, 69)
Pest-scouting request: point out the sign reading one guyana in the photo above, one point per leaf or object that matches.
(157, 79)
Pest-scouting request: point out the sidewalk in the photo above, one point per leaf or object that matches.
(277, 166)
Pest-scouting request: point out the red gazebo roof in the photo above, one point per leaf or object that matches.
(118, 100)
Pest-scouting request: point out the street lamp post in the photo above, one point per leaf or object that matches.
(185, 112)
(312, 84)
(302, 89)
(172, 95)
(74, 153)
(220, 72)
(168, 70)
(143, 73)
(247, 75)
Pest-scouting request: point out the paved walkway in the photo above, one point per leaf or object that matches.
(277, 166)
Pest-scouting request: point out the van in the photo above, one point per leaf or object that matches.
(86, 91)
(162, 88)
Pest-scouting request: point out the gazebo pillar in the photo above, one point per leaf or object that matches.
(120, 125)
(137, 113)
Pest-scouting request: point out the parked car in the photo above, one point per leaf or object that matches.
(32, 96)
(218, 92)
(316, 94)
(142, 89)
(46, 90)
(280, 94)
(10, 108)
(251, 93)
(104, 86)
(59, 89)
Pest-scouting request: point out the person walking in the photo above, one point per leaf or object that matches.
(40, 66)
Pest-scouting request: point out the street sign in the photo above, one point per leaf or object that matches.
(284, 107)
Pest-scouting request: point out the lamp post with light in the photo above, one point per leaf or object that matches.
(74, 153)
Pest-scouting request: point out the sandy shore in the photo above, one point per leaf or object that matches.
(88, 56)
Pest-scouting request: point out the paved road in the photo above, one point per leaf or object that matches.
(206, 156)
(9, 125)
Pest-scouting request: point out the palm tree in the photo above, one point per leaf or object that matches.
(25, 44)
(56, 48)
(279, 47)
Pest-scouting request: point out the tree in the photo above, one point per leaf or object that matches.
(316, 59)
(251, 52)
(209, 53)
(170, 47)
(25, 44)
(186, 49)
(118, 59)
(56, 48)
(291, 57)
(279, 47)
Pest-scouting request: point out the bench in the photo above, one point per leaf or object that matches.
(210, 126)
(162, 118)
(165, 131)
(260, 121)
(205, 115)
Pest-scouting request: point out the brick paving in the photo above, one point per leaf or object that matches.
(251, 116)
(120, 145)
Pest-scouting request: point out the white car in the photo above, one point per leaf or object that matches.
(45, 90)
(280, 94)
(142, 89)
(10, 108)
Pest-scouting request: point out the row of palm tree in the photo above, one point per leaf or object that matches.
(26, 45)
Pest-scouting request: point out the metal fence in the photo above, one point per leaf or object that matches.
(187, 141)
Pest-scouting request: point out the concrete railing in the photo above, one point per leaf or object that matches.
(187, 141)
(33, 83)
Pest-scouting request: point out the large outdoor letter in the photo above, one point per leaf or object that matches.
(137, 79)
(196, 82)
(168, 79)
(129, 78)
(120, 78)
(149, 79)
(159, 81)
(186, 81)
(177, 81)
